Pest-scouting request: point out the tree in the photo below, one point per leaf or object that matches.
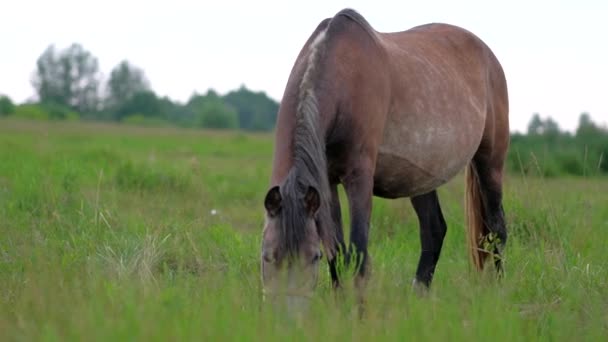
(6, 106)
(31, 111)
(548, 128)
(58, 112)
(551, 130)
(256, 111)
(552, 152)
(210, 111)
(175, 112)
(536, 125)
(215, 114)
(144, 103)
(69, 78)
(48, 80)
(586, 127)
(125, 81)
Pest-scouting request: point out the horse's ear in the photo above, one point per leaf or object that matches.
(272, 202)
(312, 200)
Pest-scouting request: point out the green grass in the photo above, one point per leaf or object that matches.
(106, 233)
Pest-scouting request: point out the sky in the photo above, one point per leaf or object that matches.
(554, 53)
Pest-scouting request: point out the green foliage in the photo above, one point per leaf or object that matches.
(547, 127)
(177, 113)
(215, 114)
(240, 109)
(125, 82)
(144, 103)
(211, 112)
(536, 124)
(143, 120)
(46, 111)
(257, 112)
(31, 111)
(69, 78)
(59, 112)
(549, 152)
(6, 106)
(587, 129)
(67, 83)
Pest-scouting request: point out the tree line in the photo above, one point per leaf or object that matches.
(68, 85)
(548, 151)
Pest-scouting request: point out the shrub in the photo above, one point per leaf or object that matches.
(31, 111)
(6, 106)
(140, 119)
(215, 114)
(60, 112)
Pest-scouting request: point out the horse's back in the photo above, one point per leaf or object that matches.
(439, 106)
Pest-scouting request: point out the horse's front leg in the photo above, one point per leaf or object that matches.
(358, 184)
(340, 247)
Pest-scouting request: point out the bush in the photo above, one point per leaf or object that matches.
(256, 111)
(60, 112)
(6, 106)
(215, 114)
(145, 102)
(602, 161)
(142, 120)
(571, 163)
(45, 111)
(31, 111)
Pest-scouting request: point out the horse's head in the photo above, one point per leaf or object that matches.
(291, 244)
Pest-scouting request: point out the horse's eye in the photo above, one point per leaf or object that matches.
(268, 257)
(318, 256)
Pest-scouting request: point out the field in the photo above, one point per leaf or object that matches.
(125, 233)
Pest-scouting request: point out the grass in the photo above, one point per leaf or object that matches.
(106, 233)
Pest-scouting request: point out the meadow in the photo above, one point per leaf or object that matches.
(117, 232)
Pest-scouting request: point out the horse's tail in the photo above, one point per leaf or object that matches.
(474, 216)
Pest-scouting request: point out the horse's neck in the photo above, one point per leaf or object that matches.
(284, 151)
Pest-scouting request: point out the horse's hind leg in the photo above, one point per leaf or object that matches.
(487, 169)
(432, 232)
(489, 174)
(336, 215)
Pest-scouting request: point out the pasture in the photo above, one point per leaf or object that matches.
(114, 232)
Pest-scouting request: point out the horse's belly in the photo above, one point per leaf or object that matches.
(413, 162)
(397, 177)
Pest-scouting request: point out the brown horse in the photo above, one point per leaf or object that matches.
(386, 114)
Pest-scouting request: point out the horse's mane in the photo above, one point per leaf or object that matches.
(310, 162)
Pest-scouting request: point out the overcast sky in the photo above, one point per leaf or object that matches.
(555, 53)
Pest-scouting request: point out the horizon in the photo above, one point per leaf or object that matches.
(553, 63)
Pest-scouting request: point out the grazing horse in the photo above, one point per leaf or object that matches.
(385, 114)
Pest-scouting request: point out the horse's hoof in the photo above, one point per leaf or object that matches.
(420, 288)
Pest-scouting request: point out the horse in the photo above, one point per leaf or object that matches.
(392, 115)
